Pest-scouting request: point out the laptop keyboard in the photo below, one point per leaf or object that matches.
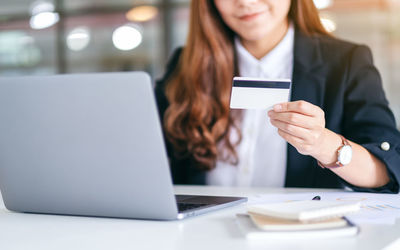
(188, 206)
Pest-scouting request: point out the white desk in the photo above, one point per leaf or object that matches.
(216, 230)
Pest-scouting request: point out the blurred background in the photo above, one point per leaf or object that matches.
(59, 36)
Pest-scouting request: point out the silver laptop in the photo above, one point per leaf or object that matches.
(89, 145)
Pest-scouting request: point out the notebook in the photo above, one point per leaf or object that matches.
(305, 210)
(271, 223)
(252, 232)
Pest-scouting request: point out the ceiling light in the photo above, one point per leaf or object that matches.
(44, 20)
(142, 13)
(328, 24)
(322, 4)
(78, 39)
(43, 15)
(127, 37)
(41, 6)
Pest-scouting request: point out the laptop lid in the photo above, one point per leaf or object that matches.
(88, 144)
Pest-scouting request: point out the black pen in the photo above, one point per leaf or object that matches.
(316, 198)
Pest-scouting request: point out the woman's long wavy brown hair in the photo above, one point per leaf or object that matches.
(198, 120)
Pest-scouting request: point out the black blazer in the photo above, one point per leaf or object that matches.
(341, 79)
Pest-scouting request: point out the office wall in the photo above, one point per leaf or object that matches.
(380, 30)
(27, 51)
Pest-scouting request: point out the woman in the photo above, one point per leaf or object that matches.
(337, 101)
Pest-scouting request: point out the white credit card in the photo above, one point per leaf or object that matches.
(258, 93)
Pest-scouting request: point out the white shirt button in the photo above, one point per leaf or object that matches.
(385, 146)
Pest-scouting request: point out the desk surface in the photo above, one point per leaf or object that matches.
(216, 230)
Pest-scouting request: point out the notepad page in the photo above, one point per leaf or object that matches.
(306, 210)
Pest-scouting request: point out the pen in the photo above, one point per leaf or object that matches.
(316, 198)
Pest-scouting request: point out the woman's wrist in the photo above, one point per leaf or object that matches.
(328, 150)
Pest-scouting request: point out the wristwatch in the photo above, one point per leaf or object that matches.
(345, 153)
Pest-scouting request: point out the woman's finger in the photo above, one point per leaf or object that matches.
(292, 140)
(301, 107)
(296, 142)
(291, 129)
(297, 119)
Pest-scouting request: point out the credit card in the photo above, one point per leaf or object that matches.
(258, 93)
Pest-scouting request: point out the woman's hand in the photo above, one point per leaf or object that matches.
(302, 124)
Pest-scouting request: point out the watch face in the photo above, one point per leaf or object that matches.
(345, 154)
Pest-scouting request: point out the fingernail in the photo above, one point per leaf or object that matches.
(278, 107)
(270, 113)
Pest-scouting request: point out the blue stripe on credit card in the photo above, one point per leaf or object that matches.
(262, 84)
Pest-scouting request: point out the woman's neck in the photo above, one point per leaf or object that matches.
(259, 48)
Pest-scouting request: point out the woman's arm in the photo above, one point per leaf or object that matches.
(302, 124)
(365, 119)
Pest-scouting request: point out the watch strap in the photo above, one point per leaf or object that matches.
(337, 164)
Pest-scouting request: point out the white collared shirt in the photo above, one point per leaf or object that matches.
(262, 152)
